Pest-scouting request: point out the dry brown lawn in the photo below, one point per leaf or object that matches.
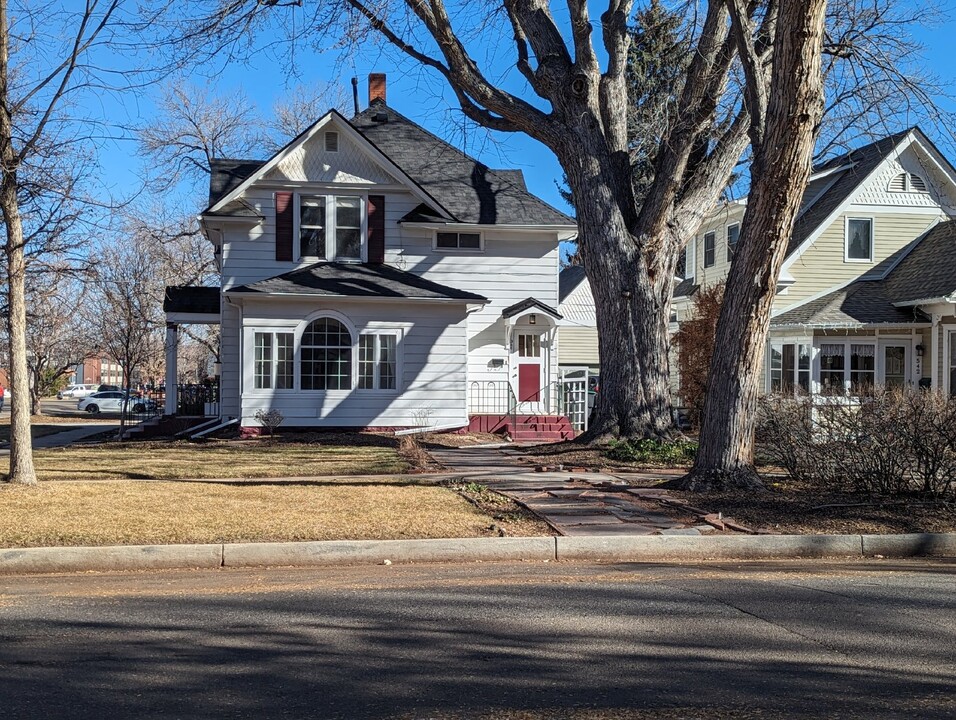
(220, 459)
(127, 512)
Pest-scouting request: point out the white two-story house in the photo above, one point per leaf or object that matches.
(374, 276)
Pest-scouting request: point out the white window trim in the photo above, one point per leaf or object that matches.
(377, 332)
(330, 223)
(846, 239)
(846, 342)
(690, 269)
(727, 239)
(249, 369)
(479, 249)
(353, 335)
(948, 331)
(768, 359)
(704, 243)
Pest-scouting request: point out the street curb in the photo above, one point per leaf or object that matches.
(653, 548)
(376, 552)
(117, 557)
(643, 548)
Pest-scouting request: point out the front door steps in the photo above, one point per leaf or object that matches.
(523, 428)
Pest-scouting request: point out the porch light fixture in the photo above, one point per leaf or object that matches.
(217, 368)
(919, 350)
(533, 319)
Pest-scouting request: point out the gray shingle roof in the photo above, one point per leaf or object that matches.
(929, 270)
(190, 299)
(471, 191)
(818, 206)
(527, 304)
(569, 279)
(331, 279)
(924, 269)
(685, 288)
(226, 175)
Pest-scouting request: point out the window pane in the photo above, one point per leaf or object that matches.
(447, 240)
(312, 212)
(263, 361)
(803, 368)
(366, 378)
(386, 362)
(285, 364)
(776, 363)
(894, 370)
(789, 367)
(733, 234)
(470, 241)
(326, 356)
(862, 368)
(710, 241)
(529, 346)
(859, 239)
(348, 212)
(832, 363)
(348, 243)
(312, 242)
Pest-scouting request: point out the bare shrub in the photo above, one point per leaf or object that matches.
(695, 348)
(889, 442)
(270, 420)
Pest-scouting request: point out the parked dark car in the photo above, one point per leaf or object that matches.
(108, 388)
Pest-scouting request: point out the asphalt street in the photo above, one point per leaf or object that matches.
(545, 640)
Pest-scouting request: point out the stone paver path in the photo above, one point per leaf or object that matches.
(573, 503)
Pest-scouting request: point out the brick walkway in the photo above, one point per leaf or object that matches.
(573, 503)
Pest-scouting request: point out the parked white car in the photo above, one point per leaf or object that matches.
(77, 391)
(112, 401)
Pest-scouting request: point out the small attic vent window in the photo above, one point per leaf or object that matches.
(907, 182)
(331, 142)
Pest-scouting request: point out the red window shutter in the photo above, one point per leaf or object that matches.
(285, 210)
(376, 229)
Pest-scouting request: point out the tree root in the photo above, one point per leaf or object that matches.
(716, 480)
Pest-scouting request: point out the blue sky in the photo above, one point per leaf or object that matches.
(422, 96)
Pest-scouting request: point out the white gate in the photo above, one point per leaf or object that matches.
(574, 397)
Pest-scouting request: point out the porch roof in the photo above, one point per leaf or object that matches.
(334, 279)
(191, 300)
(858, 304)
(530, 304)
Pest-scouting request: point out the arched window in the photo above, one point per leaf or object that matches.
(326, 356)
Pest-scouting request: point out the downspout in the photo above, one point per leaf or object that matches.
(935, 379)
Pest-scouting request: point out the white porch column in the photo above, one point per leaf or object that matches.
(172, 345)
(935, 374)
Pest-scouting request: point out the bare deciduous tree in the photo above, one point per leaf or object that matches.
(786, 113)
(57, 340)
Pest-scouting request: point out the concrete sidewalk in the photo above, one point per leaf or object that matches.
(77, 434)
(581, 504)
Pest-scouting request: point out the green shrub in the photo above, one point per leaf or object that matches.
(652, 451)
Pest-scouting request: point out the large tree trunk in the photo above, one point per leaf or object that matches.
(781, 166)
(21, 444)
(630, 300)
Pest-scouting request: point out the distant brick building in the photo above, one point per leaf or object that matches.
(98, 370)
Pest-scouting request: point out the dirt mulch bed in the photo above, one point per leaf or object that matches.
(510, 518)
(572, 454)
(789, 507)
(443, 441)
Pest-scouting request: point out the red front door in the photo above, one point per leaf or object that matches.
(529, 382)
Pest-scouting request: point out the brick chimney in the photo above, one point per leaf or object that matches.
(376, 87)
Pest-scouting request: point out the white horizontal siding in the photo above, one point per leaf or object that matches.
(432, 366)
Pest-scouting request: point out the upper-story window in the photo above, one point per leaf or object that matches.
(330, 227)
(859, 240)
(457, 241)
(733, 235)
(710, 249)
